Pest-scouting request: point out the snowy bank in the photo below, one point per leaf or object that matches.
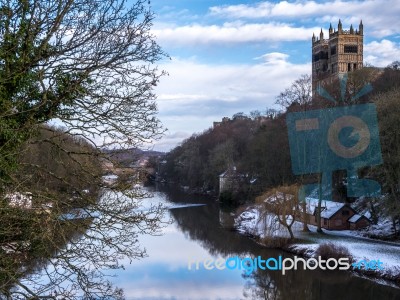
(255, 222)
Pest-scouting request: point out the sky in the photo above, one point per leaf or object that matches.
(231, 56)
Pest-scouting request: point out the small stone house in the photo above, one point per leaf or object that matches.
(230, 179)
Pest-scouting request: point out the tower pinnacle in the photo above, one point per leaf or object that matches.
(361, 28)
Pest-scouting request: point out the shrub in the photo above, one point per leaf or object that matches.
(331, 250)
(276, 242)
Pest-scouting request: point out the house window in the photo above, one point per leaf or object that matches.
(348, 67)
(354, 66)
(345, 212)
(325, 222)
(350, 49)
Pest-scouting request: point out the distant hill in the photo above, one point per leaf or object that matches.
(132, 156)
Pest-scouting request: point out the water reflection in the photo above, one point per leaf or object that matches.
(58, 255)
(197, 234)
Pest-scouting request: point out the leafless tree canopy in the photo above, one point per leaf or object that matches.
(87, 63)
(299, 92)
(90, 66)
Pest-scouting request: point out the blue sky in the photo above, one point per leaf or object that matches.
(236, 56)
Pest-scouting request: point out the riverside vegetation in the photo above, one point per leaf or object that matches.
(257, 145)
(89, 67)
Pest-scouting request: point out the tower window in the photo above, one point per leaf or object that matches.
(350, 49)
(333, 50)
(320, 55)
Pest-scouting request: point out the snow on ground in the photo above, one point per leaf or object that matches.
(110, 178)
(253, 221)
(21, 200)
(360, 248)
(383, 228)
(248, 222)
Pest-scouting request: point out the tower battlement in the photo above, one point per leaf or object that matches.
(342, 52)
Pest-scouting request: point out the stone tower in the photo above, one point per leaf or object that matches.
(342, 52)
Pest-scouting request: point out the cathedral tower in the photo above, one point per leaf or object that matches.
(342, 52)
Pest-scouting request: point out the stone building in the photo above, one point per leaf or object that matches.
(229, 180)
(342, 52)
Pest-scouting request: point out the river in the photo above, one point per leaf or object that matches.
(203, 232)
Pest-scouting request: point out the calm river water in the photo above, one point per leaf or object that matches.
(202, 232)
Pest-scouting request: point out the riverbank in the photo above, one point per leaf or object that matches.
(265, 228)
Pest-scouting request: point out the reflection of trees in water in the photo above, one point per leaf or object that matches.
(61, 256)
(203, 225)
(314, 285)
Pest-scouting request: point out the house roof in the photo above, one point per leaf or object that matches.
(312, 204)
(355, 218)
(328, 213)
(328, 208)
(230, 172)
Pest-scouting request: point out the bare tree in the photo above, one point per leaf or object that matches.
(283, 203)
(78, 225)
(88, 65)
(298, 93)
(388, 110)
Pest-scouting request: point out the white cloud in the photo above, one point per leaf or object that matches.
(274, 58)
(382, 53)
(266, 9)
(236, 32)
(190, 82)
(195, 94)
(379, 16)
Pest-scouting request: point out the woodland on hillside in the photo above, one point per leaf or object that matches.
(89, 67)
(257, 144)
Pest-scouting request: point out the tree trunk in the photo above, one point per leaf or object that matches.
(305, 219)
(319, 228)
(289, 228)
